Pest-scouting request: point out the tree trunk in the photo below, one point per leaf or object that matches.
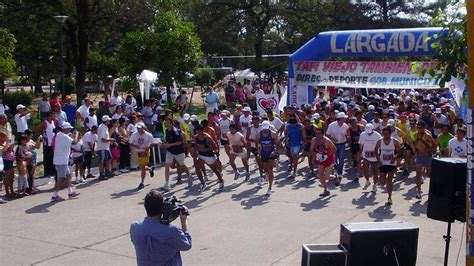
(2, 85)
(82, 46)
(259, 44)
(37, 82)
(168, 97)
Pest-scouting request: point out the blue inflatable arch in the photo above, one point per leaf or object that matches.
(363, 43)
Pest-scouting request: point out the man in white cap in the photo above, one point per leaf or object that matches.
(368, 140)
(21, 119)
(266, 146)
(62, 152)
(245, 120)
(223, 129)
(337, 132)
(440, 121)
(142, 141)
(103, 148)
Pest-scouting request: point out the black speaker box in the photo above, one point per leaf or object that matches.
(380, 243)
(447, 195)
(323, 255)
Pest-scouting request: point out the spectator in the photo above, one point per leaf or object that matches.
(103, 110)
(47, 128)
(21, 119)
(229, 92)
(62, 152)
(89, 141)
(55, 99)
(181, 102)
(116, 100)
(3, 108)
(70, 109)
(103, 148)
(147, 112)
(83, 111)
(91, 119)
(61, 116)
(212, 100)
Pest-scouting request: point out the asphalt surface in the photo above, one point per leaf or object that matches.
(240, 226)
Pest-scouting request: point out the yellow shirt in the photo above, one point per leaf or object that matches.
(319, 124)
(187, 131)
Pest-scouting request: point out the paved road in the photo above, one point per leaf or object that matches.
(239, 226)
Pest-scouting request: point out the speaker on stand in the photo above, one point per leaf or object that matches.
(447, 194)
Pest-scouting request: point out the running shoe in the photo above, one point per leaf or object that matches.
(247, 177)
(337, 182)
(202, 187)
(374, 188)
(236, 175)
(73, 195)
(116, 172)
(389, 202)
(418, 196)
(260, 181)
(57, 199)
(356, 179)
(90, 176)
(221, 186)
(2, 201)
(190, 181)
(269, 192)
(166, 187)
(103, 178)
(123, 171)
(152, 172)
(178, 180)
(82, 181)
(325, 193)
(367, 185)
(140, 186)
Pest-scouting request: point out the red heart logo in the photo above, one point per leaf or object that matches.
(267, 103)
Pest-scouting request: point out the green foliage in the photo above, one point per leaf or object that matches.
(204, 76)
(450, 45)
(7, 47)
(12, 99)
(69, 85)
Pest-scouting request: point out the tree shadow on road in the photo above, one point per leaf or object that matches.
(366, 199)
(318, 203)
(42, 208)
(254, 202)
(382, 213)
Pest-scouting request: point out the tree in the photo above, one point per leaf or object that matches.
(451, 44)
(7, 63)
(170, 47)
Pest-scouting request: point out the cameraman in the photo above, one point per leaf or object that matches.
(156, 243)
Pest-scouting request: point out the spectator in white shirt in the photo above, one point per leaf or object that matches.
(142, 141)
(116, 100)
(21, 119)
(83, 111)
(91, 119)
(337, 132)
(103, 148)
(89, 140)
(458, 146)
(44, 106)
(62, 153)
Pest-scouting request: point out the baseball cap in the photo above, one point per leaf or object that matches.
(66, 125)
(140, 125)
(265, 125)
(20, 106)
(194, 117)
(246, 109)
(391, 122)
(369, 128)
(371, 107)
(105, 118)
(438, 111)
(316, 116)
(68, 97)
(341, 115)
(186, 117)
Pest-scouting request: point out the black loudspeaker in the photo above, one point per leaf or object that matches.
(447, 196)
(323, 255)
(380, 243)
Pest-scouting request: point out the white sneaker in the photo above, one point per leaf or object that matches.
(202, 187)
(221, 186)
(367, 185)
(166, 187)
(117, 172)
(260, 181)
(374, 188)
(82, 181)
(269, 192)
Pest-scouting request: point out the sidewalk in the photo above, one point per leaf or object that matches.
(239, 226)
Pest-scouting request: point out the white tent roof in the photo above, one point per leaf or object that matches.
(148, 75)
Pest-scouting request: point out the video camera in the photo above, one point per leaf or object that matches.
(172, 208)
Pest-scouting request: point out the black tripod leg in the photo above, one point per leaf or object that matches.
(447, 238)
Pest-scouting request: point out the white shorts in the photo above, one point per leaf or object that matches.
(171, 157)
(208, 159)
(242, 154)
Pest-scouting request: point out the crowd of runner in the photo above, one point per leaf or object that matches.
(380, 136)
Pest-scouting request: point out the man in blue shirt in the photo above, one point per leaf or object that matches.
(156, 243)
(70, 109)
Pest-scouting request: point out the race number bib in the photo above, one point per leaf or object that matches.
(370, 154)
(224, 136)
(321, 157)
(387, 157)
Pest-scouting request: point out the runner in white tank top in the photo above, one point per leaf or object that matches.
(224, 126)
(387, 149)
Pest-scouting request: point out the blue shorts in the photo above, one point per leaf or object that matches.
(424, 160)
(295, 150)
